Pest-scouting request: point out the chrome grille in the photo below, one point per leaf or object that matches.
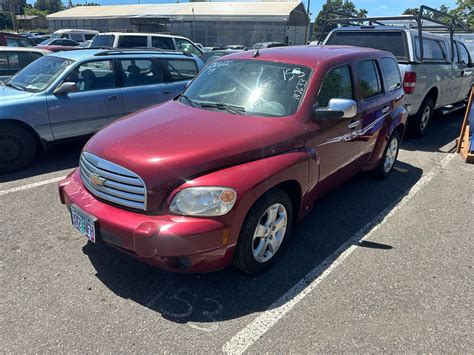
(111, 182)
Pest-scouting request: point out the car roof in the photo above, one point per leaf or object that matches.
(72, 30)
(11, 34)
(140, 34)
(310, 55)
(82, 54)
(24, 49)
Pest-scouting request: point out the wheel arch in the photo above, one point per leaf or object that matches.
(14, 122)
(433, 93)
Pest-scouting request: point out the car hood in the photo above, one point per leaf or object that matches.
(10, 94)
(171, 143)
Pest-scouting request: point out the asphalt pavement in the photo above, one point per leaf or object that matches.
(377, 266)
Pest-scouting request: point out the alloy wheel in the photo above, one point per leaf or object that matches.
(391, 155)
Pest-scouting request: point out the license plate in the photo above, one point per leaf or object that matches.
(83, 223)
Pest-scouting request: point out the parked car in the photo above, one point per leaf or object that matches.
(77, 35)
(75, 93)
(13, 60)
(267, 45)
(236, 47)
(13, 40)
(39, 39)
(208, 57)
(59, 42)
(433, 82)
(221, 174)
(145, 40)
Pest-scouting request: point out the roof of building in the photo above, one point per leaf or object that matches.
(177, 11)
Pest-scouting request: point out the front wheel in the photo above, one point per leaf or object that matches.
(389, 157)
(264, 232)
(17, 148)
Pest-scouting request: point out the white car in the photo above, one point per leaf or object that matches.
(145, 40)
(75, 34)
(13, 59)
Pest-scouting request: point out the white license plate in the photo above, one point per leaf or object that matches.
(83, 223)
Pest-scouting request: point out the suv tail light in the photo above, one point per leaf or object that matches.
(409, 82)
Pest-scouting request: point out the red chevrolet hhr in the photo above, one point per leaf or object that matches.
(220, 174)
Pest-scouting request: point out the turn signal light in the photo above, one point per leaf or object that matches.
(409, 82)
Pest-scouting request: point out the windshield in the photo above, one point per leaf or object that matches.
(251, 87)
(389, 41)
(103, 41)
(39, 75)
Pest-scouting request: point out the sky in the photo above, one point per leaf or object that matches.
(374, 7)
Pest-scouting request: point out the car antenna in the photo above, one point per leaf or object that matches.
(256, 54)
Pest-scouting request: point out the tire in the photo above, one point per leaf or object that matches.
(389, 157)
(255, 253)
(17, 148)
(419, 123)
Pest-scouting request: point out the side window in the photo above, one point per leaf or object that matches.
(9, 63)
(25, 43)
(36, 55)
(12, 42)
(369, 78)
(97, 75)
(438, 50)
(76, 37)
(464, 54)
(337, 84)
(181, 69)
(25, 58)
(89, 37)
(391, 73)
(162, 42)
(140, 72)
(132, 41)
(185, 45)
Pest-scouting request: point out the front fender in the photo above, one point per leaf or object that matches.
(251, 180)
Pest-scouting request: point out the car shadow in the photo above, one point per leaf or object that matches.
(202, 299)
(442, 130)
(60, 156)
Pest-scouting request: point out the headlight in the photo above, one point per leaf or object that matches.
(204, 201)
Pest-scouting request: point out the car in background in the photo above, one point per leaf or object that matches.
(85, 44)
(208, 57)
(220, 175)
(77, 35)
(236, 46)
(145, 40)
(268, 45)
(433, 82)
(59, 42)
(12, 60)
(39, 39)
(13, 40)
(70, 94)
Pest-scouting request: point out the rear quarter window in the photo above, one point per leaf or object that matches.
(133, 42)
(433, 50)
(369, 79)
(391, 74)
(162, 42)
(181, 69)
(390, 41)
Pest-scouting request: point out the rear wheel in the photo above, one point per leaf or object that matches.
(418, 124)
(389, 157)
(264, 232)
(17, 148)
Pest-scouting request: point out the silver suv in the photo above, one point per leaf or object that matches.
(436, 76)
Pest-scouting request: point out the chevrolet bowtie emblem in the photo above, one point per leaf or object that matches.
(96, 180)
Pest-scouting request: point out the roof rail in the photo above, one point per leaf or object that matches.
(438, 21)
(138, 50)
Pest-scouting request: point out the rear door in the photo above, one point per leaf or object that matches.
(179, 72)
(143, 83)
(96, 103)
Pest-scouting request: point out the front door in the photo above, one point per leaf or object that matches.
(333, 138)
(96, 103)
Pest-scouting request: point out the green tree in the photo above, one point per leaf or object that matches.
(50, 6)
(5, 21)
(343, 8)
(411, 11)
(464, 11)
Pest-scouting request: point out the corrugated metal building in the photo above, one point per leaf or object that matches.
(209, 23)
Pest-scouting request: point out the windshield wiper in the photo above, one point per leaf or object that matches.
(193, 104)
(15, 86)
(227, 107)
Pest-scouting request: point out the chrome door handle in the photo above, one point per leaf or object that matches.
(385, 109)
(353, 124)
(112, 97)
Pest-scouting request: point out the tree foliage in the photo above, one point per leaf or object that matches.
(463, 11)
(343, 8)
(50, 6)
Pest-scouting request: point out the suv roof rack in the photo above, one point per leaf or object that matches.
(138, 50)
(435, 21)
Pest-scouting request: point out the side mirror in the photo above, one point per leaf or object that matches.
(66, 88)
(337, 108)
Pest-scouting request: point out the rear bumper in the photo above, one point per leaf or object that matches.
(175, 243)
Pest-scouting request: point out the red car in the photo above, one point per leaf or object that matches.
(220, 174)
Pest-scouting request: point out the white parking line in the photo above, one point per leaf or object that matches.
(30, 186)
(267, 319)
